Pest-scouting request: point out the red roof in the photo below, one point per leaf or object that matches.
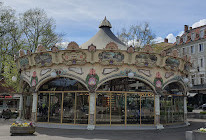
(189, 32)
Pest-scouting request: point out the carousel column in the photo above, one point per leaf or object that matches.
(34, 107)
(21, 106)
(157, 112)
(185, 111)
(91, 124)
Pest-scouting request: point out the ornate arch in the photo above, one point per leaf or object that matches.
(138, 77)
(176, 80)
(48, 78)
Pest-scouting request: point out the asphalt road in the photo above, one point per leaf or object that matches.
(61, 134)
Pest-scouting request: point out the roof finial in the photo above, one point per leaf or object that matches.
(105, 23)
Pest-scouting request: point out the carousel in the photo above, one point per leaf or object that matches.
(104, 84)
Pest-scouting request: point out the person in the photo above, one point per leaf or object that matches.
(3, 113)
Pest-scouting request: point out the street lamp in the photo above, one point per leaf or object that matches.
(130, 74)
(53, 74)
(14, 78)
(186, 80)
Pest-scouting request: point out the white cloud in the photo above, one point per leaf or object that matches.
(158, 39)
(171, 38)
(133, 43)
(180, 33)
(199, 23)
(62, 45)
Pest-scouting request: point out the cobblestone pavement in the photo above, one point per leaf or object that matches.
(61, 134)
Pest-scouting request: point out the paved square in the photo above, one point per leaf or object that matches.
(61, 134)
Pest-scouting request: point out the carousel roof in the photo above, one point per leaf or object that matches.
(103, 37)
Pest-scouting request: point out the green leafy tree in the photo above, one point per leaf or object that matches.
(137, 35)
(39, 29)
(26, 31)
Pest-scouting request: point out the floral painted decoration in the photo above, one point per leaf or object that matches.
(91, 48)
(92, 79)
(22, 125)
(34, 79)
(158, 81)
(202, 130)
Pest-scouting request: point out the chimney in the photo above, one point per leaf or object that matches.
(190, 28)
(186, 28)
(165, 40)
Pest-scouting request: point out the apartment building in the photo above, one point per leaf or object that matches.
(193, 45)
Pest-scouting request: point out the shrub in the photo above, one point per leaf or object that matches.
(203, 112)
(189, 108)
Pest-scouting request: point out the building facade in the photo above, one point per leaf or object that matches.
(192, 45)
(104, 83)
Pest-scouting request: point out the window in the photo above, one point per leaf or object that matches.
(178, 40)
(183, 51)
(201, 47)
(193, 79)
(192, 50)
(201, 62)
(202, 78)
(201, 34)
(184, 39)
(193, 36)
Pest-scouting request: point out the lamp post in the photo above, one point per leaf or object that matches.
(131, 75)
(14, 78)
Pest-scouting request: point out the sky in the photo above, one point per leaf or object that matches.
(79, 19)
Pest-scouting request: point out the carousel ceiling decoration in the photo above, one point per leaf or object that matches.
(73, 46)
(74, 58)
(27, 73)
(168, 74)
(76, 70)
(45, 71)
(144, 59)
(43, 59)
(111, 58)
(111, 46)
(109, 70)
(145, 72)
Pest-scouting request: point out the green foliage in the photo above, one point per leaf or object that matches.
(189, 108)
(10, 70)
(203, 112)
(26, 31)
(138, 35)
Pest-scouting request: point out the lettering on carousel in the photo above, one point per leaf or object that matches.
(144, 59)
(74, 57)
(43, 59)
(111, 58)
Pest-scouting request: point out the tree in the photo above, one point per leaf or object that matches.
(137, 35)
(31, 28)
(38, 29)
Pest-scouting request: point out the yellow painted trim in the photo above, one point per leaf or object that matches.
(125, 109)
(49, 107)
(61, 91)
(62, 107)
